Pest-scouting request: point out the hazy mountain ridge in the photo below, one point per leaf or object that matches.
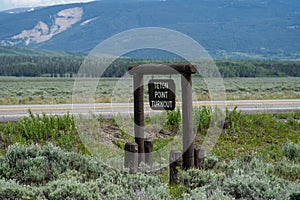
(225, 28)
(31, 52)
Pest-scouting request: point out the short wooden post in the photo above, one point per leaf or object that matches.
(138, 84)
(175, 161)
(131, 157)
(148, 151)
(199, 157)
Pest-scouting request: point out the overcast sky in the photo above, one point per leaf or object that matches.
(9, 4)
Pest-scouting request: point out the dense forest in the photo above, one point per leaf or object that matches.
(39, 65)
(68, 66)
(258, 68)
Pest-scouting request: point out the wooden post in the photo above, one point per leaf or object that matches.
(175, 161)
(148, 152)
(199, 157)
(187, 121)
(138, 86)
(131, 157)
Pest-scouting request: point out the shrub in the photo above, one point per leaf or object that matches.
(136, 186)
(173, 120)
(247, 163)
(10, 190)
(47, 172)
(198, 178)
(232, 120)
(239, 185)
(202, 118)
(295, 196)
(292, 151)
(247, 177)
(204, 193)
(35, 164)
(210, 161)
(258, 186)
(289, 171)
(71, 189)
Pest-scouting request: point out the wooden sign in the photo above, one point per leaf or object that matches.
(162, 94)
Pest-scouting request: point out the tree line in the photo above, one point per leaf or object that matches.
(68, 66)
(35, 66)
(259, 68)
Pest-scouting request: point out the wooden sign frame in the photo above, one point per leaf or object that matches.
(186, 72)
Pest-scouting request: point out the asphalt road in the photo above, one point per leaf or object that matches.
(15, 112)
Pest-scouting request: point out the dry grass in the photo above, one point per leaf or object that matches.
(16, 90)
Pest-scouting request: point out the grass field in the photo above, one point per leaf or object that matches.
(257, 157)
(20, 90)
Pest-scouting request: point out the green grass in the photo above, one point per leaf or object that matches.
(257, 134)
(41, 129)
(21, 90)
(262, 134)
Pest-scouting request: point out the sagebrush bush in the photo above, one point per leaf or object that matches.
(292, 151)
(210, 161)
(203, 194)
(258, 186)
(10, 190)
(198, 178)
(34, 164)
(248, 177)
(247, 163)
(289, 171)
(71, 189)
(47, 172)
(239, 185)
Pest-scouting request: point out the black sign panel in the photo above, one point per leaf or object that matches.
(162, 94)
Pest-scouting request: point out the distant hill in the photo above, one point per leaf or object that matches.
(226, 28)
